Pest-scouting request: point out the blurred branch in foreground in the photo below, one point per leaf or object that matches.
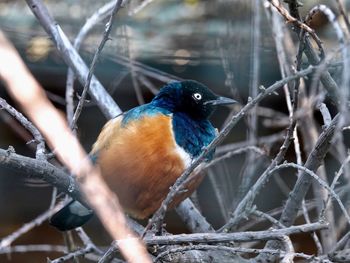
(24, 89)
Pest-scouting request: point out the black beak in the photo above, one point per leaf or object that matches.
(220, 101)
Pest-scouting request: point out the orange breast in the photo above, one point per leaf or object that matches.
(139, 162)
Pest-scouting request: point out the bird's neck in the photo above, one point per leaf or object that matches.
(164, 103)
(190, 134)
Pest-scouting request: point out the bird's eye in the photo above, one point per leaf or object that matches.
(197, 96)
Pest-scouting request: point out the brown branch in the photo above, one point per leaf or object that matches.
(328, 82)
(290, 19)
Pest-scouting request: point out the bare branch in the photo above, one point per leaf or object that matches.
(192, 217)
(7, 241)
(94, 61)
(72, 58)
(232, 250)
(246, 236)
(290, 19)
(40, 150)
(73, 255)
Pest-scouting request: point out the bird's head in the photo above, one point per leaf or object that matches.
(190, 97)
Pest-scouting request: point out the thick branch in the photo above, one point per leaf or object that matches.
(41, 170)
(247, 236)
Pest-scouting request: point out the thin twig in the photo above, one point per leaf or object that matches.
(93, 63)
(101, 14)
(328, 82)
(38, 138)
(73, 255)
(264, 140)
(7, 241)
(268, 217)
(33, 248)
(87, 241)
(229, 154)
(319, 180)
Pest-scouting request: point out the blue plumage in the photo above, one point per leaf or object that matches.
(192, 135)
(143, 110)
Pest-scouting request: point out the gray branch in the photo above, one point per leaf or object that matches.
(107, 105)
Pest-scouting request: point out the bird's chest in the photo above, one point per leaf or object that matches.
(192, 135)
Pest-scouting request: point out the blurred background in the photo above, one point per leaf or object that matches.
(208, 41)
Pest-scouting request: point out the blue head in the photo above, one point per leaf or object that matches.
(189, 97)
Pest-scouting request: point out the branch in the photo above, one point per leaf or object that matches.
(73, 255)
(101, 14)
(7, 241)
(217, 252)
(94, 61)
(303, 183)
(205, 238)
(72, 58)
(40, 150)
(313, 162)
(328, 82)
(246, 236)
(41, 170)
(192, 217)
(290, 19)
(34, 248)
(319, 180)
(343, 12)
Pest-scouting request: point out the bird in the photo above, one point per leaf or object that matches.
(142, 152)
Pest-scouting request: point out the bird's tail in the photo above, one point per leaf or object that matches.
(73, 215)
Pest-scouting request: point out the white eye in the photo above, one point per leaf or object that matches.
(197, 96)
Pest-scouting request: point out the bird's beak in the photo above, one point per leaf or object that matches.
(220, 101)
